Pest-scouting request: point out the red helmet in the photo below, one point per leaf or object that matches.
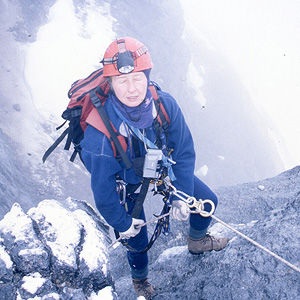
(125, 55)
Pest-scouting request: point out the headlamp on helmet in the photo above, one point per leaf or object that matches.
(125, 62)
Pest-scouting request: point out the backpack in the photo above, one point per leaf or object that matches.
(87, 97)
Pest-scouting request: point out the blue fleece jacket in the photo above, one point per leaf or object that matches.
(99, 160)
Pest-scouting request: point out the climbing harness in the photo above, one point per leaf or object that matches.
(197, 207)
(162, 226)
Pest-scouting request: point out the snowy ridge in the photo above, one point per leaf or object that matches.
(57, 248)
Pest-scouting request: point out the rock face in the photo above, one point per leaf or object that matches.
(55, 251)
(58, 251)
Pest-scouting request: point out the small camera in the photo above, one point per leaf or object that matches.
(152, 164)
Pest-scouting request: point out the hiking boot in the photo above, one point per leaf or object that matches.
(144, 288)
(208, 243)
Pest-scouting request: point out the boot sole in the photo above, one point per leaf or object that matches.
(196, 253)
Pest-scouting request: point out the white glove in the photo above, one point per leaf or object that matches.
(133, 229)
(179, 210)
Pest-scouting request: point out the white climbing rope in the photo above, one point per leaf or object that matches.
(257, 244)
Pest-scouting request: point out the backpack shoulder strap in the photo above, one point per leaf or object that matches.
(162, 115)
(98, 118)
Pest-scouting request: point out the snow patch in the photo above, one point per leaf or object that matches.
(33, 282)
(5, 258)
(35, 251)
(94, 250)
(63, 241)
(16, 222)
(104, 294)
(202, 172)
(197, 81)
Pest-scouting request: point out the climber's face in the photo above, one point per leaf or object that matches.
(130, 88)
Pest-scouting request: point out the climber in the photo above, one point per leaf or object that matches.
(130, 104)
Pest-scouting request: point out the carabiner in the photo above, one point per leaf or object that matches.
(121, 188)
(207, 214)
(191, 202)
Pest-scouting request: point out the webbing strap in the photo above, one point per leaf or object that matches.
(140, 199)
(55, 144)
(97, 103)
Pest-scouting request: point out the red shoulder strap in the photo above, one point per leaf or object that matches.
(162, 115)
(96, 121)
